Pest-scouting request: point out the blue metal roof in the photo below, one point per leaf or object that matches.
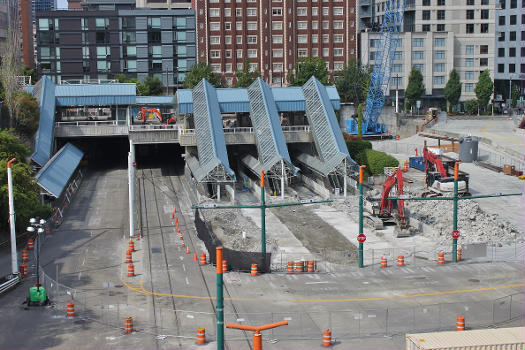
(55, 175)
(233, 100)
(95, 94)
(155, 100)
(44, 92)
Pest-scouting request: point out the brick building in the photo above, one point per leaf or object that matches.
(273, 35)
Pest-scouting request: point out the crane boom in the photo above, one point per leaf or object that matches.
(382, 69)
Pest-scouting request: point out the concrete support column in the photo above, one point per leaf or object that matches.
(218, 192)
(131, 183)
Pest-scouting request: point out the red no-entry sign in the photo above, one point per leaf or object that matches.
(455, 234)
(361, 238)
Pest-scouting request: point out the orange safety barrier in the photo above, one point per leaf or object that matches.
(290, 267)
(201, 336)
(195, 257)
(128, 325)
(187, 250)
(299, 267)
(24, 255)
(23, 269)
(310, 268)
(459, 254)
(441, 258)
(224, 266)
(30, 244)
(460, 323)
(397, 137)
(131, 270)
(253, 271)
(327, 338)
(178, 230)
(405, 166)
(129, 260)
(182, 244)
(383, 262)
(181, 238)
(400, 260)
(257, 337)
(202, 259)
(177, 221)
(131, 245)
(70, 310)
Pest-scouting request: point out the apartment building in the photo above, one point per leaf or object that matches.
(510, 47)
(98, 45)
(273, 35)
(438, 36)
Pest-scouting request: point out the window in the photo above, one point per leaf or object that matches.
(277, 39)
(470, 2)
(326, 52)
(440, 27)
(484, 14)
(326, 25)
(277, 25)
(253, 67)
(338, 38)
(441, 15)
(228, 53)
(372, 55)
(315, 25)
(238, 12)
(182, 50)
(180, 22)
(251, 26)
(326, 11)
(501, 20)
(315, 38)
(426, 2)
(523, 35)
(101, 23)
(469, 49)
(227, 12)
(439, 80)
(441, 2)
(215, 26)
(277, 67)
(227, 26)
(418, 42)
(155, 51)
(228, 40)
(522, 68)
(338, 11)
(469, 29)
(238, 25)
(398, 55)
(419, 67)
(130, 65)
(439, 67)
(483, 49)
(501, 36)
(103, 66)
(214, 40)
(470, 14)
(513, 4)
(469, 75)
(326, 38)
(302, 25)
(439, 42)
(215, 53)
(426, 28)
(523, 18)
(239, 66)
(239, 53)
(180, 36)
(338, 24)
(512, 20)
(512, 36)
(251, 12)
(338, 66)
(252, 53)
(315, 52)
(484, 2)
(215, 12)
(469, 87)
(277, 53)
(439, 55)
(277, 11)
(512, 52)
(417, 55)
(85, 51)
(512, 68)
(154, 37)
(338, 52)
(302, 52)
(252, 39)
(238, 40)
(44, 24)
(484, 28)
(426, 15)
(502, 4)
(501, 52)
(215, 67)
(301, 11)
(483, 62)
(469, 62)
(522, 52)
(302, 39)
(102, 52)
(397, 68)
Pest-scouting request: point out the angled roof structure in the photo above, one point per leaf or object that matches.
(44, 93)
(95, 94)
(55, 175)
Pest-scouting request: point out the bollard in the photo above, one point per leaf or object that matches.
(459, 254)
(129, 260)
(299, 267)
(441, 258)
(224, 266)
(131, 270)
(383, 262)
(310, 268)
(128, 325)
(195, 257)
(30, 244)
(290, 267)
(23, 269)
(201, 336)
(70, 310)
(327, 338)
(253, 271)
(131, 245)
(24, 255)
(400, 260)
(460, 323)
(202, 259)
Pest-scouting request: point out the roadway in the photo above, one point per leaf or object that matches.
(172, 295)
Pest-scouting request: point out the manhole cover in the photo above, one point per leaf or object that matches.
(155, 250)
(473, 280)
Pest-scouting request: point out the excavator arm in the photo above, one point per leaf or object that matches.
(433, 159)
(385, 206)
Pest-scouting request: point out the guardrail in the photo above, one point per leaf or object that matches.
(9, 283)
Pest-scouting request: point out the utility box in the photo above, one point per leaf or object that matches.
(480, 339)
(468, 149)
(417, 163)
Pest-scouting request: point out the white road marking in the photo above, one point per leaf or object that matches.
(321, 282)
(181, 258)
(187, 282)
(184, 267)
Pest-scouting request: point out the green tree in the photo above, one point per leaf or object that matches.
(305, 68)
(352, 82)
(452, 90)
(153, 86)
(26, 190)
(471, 106)
(27, 113)
(360, 109)
(415, 87)
(244, 76)
(484, 88)
(201, 71)
(28, 72)
(514, 96)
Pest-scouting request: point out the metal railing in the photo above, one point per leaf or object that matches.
(92, 123)
(156, 127)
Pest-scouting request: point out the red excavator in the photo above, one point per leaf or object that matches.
(384, 211)
(152, 116)
(438, 179)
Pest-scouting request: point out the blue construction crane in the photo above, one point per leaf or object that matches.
(382, 69)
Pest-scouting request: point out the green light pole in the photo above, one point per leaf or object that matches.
(220, 300)
(455, 215)
(263, 216)
(361, 244)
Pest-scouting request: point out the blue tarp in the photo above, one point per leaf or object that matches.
(55, 175)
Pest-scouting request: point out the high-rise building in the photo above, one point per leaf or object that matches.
(26, 26)
(273, 35)
(9, 18)
(98, 45)
(510, 47)
(438, 36)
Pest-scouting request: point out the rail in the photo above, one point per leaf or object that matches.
(149, 127)
(91, 123)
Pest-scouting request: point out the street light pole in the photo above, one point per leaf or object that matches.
(397, 93)
(361, 250)
(14, 260)
(455, 214)
(263, 216)
(220, 300)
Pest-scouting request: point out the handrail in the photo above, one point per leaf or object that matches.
(146, 127)
(91, 123)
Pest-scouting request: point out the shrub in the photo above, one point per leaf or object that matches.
(471, 106)
(375, 161)
(357, 146)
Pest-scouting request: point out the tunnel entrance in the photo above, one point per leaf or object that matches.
(160, 155)
(101, 152)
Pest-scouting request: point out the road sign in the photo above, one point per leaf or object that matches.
(361, 238)
(455, 234)
(303, 201)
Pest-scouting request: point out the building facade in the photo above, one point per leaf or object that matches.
(510, 47)
(438, 36)
(273, 35)
(98, 45)
(164, 4)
